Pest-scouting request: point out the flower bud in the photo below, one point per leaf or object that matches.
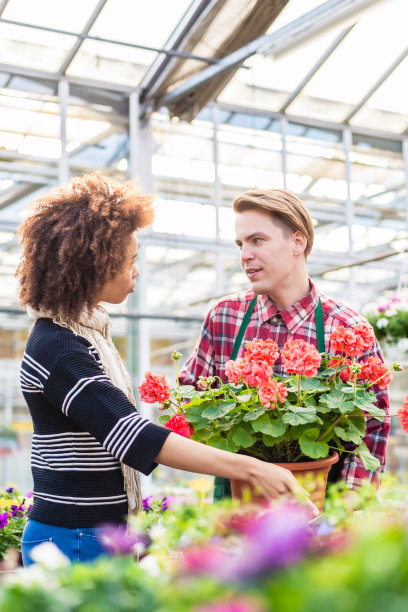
(176, 355)
(397, 367)
(355, 368)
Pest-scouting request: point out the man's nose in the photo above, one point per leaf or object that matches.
(246, 253)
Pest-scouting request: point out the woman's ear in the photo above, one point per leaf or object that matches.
(299, 243)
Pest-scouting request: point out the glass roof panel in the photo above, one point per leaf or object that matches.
(357, 63)
(70, 16)
(293, 10)
(388, 106)
(267, 82)
(136, 21)
(111, 63)
(33, 48)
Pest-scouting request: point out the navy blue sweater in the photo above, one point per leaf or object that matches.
(84, 427)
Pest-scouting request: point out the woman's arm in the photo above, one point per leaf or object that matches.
(184, 454)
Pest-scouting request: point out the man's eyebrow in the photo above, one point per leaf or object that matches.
(253, 235)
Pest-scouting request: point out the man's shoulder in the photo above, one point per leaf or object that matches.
(341, 313)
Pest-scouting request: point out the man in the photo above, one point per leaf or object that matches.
(274, 232)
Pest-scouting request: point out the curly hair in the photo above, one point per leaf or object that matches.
(74, 242)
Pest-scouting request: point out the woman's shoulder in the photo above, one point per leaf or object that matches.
(49, 341)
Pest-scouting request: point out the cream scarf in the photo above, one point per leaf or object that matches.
(96, 329)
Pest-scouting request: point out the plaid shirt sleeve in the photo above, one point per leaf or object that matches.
(353, 472)
(201, 361)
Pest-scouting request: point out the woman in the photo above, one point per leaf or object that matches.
(80, 248)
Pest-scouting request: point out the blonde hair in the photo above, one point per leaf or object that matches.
(283, 206)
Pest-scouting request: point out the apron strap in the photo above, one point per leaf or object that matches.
(320, 327)
(242, 329)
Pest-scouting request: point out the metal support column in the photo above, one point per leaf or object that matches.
(284, 132)
(138, 331)
(63, 165)
(219, 280)
(348, 140)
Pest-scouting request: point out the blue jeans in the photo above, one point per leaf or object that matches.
(76, 544)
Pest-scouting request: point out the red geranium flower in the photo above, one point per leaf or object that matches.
(300, 357)
(235, 370)
(257, 372)
(403, 415)
(270, 392)
(366, 332)
(154, 388)
(351, 343)
(373, 369)
(344, 374)
(179, 425)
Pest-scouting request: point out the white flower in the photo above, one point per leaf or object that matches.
(49, 556)
(403, 344)
(151, 565)
(157, 531)
(382, 323)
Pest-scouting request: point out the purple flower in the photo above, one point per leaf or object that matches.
(274, 539)
(4, 519)
(146, 501)
(17, 511)
(119, 540)
(164, 504)
(10, 490)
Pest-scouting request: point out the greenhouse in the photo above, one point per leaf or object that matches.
(197, 102)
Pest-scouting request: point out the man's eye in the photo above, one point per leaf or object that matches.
(257, 240)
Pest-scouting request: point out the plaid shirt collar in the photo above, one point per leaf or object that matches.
(294, 316)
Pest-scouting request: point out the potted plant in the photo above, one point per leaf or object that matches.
(309, 415)
(390, 323)
(13, 516)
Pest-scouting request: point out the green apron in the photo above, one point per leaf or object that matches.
(222, 488)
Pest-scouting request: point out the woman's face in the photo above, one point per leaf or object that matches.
(116, 290)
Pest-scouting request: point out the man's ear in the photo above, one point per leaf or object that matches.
(299, 243)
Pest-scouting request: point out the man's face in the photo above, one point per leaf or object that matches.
(269, 252)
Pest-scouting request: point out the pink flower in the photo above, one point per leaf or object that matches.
(403, 415)
(257, 372)
(154, 388)
(179, 425)
(367, 334)
(235, 370)
(300, 357)
(262, 350)
(271, 391)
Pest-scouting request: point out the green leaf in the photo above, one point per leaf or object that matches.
(187, 390)
(309, 445)
(264, 425)
(202, 436)
(254, 414)
(219, 441)
(311, 385)
(336, 401)
(370, 462)
(351, 434)
(244, 397)
(242, 438)
(272, 440)
(215, 412)
(163, 418)
(194, 414)
(298, 415)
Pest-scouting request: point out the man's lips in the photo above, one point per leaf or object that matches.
(250, 272)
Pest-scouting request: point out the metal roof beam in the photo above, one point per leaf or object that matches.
(155, 74)
(376, 86)
(93, 17)
(298, 30)
(316, 67)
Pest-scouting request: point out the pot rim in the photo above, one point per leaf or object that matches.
(313, 463)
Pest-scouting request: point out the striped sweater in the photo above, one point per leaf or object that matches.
(84, 427)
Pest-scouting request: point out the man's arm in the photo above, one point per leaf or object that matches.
(353, 472)
(201, 362)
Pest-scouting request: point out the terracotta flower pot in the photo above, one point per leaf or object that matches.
(312, 475)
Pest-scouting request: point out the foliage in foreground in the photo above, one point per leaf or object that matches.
(226, 559)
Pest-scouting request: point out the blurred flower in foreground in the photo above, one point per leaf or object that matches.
(272, 540)
(119, 540)
(246, 605)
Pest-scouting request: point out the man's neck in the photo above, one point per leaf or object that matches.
(287, 296)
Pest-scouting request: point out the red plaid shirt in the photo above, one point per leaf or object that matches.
(221, 326)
